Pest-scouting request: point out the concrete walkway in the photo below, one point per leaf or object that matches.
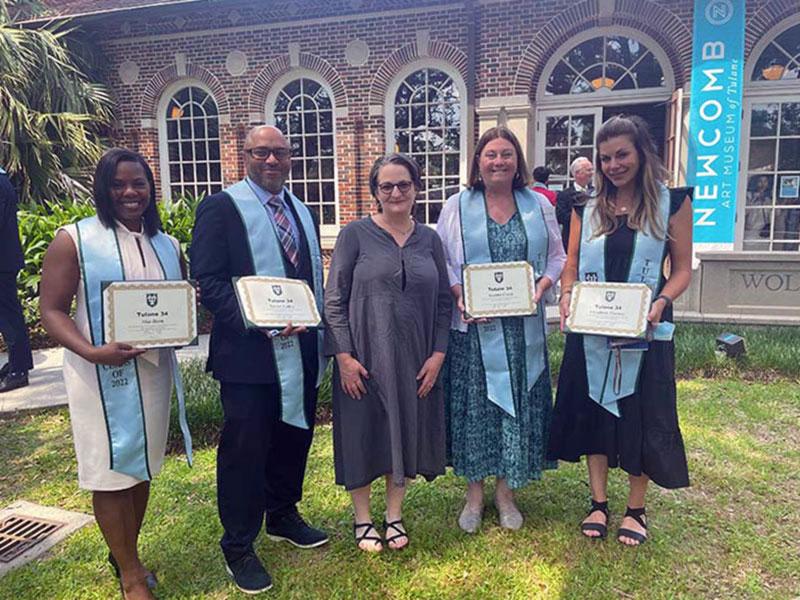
(46, 387)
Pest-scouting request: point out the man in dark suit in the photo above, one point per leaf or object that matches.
(14, 374)
(261, 459)
(582, 172)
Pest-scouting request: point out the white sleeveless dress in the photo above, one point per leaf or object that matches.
(80, 377)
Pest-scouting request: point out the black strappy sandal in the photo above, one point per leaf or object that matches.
(636, 514)
(601, 528)
(365, 535)
(400, 533)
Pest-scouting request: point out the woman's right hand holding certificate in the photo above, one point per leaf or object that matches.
(458, 294)
(351, 371)
(563, 307)
(114, 354)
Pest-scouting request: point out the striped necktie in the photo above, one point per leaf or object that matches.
(284, 228)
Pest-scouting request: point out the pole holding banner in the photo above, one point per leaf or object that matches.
(715, 118)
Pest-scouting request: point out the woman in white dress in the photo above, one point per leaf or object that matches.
(117, 454)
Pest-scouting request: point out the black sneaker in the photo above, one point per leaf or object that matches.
(249, 574)
(292, 528)
(12, 381)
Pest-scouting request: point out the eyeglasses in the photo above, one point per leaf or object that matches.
(387, 188)
(263, 153)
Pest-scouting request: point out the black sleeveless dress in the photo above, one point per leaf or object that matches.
(646, 438)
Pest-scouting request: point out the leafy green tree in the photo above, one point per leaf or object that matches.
(52, 116)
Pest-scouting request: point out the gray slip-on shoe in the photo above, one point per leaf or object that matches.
(470, 520)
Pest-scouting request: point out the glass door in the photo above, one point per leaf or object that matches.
(772, 176)
(561, 137)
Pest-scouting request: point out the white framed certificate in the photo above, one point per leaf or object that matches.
(504, 289)
(610, 309)
(274, 302)
(150, 314)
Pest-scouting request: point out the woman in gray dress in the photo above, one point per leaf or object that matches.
(387, 315)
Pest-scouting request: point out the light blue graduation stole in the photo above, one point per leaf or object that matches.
(100, 260)
(267, 255)
(613, 374)
(475, 237)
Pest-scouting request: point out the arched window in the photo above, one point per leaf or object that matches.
(427, 123)
(190, 143)
(610, 62)
(590, 78)
(781, 58)
(771, 170)
(303, 111)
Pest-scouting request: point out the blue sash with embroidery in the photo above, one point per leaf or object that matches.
(267, 255)
(613, 374)
(100, 260)
(475, 237)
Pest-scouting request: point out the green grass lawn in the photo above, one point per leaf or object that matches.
(733, 534)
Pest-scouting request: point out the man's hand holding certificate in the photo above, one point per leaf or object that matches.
(610, 309)
(499, 290)
(274, 302)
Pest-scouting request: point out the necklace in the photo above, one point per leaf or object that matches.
(398, 231)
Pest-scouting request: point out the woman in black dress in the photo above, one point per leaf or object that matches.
(630, 210)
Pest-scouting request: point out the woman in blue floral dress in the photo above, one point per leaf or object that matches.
(498, 426)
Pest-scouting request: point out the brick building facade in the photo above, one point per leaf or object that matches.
(351, 79)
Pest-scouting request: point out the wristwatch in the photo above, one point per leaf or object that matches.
(667, 300)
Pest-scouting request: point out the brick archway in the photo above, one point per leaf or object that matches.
(168, 75)
(672, 35)
(262, 84)
(407, 54)
(764, 19)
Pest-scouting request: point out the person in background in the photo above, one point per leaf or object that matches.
(619, 408)
(582, 172)
(13, 374)
(540, 177)
(498, 418)
(387, 318)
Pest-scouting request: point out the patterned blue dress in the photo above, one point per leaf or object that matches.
(482, 439)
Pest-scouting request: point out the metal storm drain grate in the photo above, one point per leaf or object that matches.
(18, 533)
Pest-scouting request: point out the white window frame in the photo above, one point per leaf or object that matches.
(326, 231)
(604, 96)
(541, 133)
(163, 147)
(458, 81)
(760, 92)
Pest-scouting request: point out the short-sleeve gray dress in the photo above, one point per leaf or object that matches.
(390, 308)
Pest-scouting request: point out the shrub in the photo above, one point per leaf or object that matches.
(204, 410)
(38, 224)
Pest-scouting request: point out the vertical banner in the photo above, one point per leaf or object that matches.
(715, 118)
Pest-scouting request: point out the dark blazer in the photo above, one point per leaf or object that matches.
(11, 258)
(219, 252)
(564, 203)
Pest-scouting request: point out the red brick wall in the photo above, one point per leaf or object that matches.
(514, 41)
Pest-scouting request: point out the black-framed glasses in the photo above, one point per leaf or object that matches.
(263, 153)
(387, 188)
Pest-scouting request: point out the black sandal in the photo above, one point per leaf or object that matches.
(636, 514)
(601, 528)
(368, 527)
(152, 581)
(400, 533)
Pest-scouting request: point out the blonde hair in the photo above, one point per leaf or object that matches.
(645, 215)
